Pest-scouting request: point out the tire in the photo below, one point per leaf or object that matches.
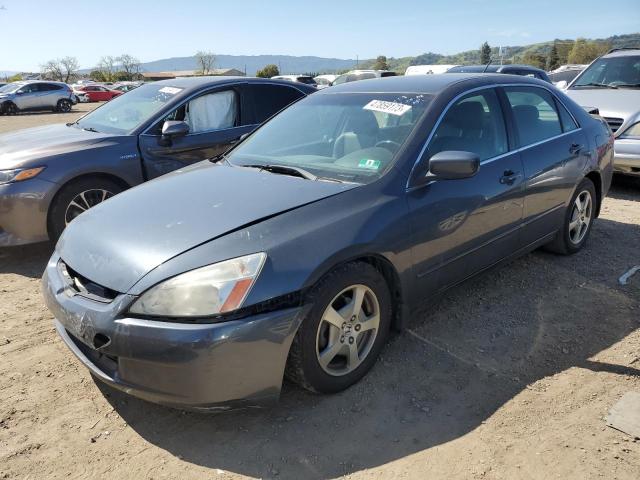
(577, 224)
(76, 197)
(9, 108)
(64, 106)
(318, 336)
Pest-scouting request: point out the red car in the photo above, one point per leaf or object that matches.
(98, 93)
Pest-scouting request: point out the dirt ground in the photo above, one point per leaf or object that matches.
(508, 376)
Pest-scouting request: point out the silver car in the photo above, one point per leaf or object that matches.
(612, 85)
(35, 95)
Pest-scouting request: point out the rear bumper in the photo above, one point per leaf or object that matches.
(23, 211)
(203, 367)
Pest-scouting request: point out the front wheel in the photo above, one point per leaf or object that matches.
(9, 108)
(347, 326)
(578, 220)
(76, 198)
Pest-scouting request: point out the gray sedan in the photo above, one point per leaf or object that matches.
(49, 175)
(299, 251)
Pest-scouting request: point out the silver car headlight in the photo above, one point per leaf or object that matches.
(214, 289)
(19, 174)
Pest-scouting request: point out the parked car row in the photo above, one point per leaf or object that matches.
(288, 244)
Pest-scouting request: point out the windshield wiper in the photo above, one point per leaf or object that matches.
(217, 158)
(285, 170)
(91, 129)
(599, 85)
(628, 85)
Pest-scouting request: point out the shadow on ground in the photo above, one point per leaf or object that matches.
(25, 260)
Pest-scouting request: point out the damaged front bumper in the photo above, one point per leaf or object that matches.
(204, 367)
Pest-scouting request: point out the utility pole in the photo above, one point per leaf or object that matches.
(357, 61)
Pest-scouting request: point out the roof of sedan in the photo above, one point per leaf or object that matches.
(430, 84)
(203, 81)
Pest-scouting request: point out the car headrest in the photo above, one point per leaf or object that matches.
(362, 122)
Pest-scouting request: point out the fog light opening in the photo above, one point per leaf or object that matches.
(100, 341)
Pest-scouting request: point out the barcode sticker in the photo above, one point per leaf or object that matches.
(392, 108)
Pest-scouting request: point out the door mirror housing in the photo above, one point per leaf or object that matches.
(453, 165)
(562, 84)
(174, 129)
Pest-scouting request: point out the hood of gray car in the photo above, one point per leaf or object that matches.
(119, 241)
(618, 103)
(23, 145)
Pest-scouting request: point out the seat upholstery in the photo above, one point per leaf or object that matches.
(361, 131)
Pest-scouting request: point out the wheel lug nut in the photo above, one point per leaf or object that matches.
(353, 318)
(357, 327)
(350, 340)
(341, 339)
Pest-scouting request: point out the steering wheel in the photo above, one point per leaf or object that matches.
(389, 145)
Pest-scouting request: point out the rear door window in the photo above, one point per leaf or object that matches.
(473, 124)
(270, 99)
(535, 114)
(213, 111)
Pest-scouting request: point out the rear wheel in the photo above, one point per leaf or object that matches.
(64, 105)
(578, 220)
(341, 337)
(76, 198)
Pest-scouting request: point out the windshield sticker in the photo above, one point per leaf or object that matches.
(369, 163)
(170, 90)
(392, 108)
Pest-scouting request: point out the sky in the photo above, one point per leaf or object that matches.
(34, 31)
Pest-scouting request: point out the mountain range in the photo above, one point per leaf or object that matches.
(308, 64)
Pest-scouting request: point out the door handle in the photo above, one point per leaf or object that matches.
(575, 148)
(508, 177)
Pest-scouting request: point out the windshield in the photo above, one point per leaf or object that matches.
(307, 80)
(611, 72)
(125, 113)
(335, 137)
(11, 87)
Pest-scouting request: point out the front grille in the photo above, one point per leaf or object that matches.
(614, 123)
(85, 287)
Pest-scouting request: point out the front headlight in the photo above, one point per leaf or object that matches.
(19, 174)
(214, 289)
(632, 132)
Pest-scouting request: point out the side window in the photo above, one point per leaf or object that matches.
(270, 99)
(535, 114)
(473, 124)
(568, 123)
(213, 111)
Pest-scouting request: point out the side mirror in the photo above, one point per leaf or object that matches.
(453, 165)
(562, 84)
(20, 92)
(174, 129)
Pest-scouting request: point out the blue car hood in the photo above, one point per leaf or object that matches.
(23, 145)
(119, 241)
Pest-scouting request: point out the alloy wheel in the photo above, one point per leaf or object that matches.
(347, 330)
(65, 106)
(581, 216)
(84, 201)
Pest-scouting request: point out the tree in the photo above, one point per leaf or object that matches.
(129, 65)
(107, 68)
(268, 71)
(585, 51)
(16, 78)
(381, 63)
(97, 75)
(61, 69)
(534, 59)
(205, 62)
(485, 53)
(553, 60)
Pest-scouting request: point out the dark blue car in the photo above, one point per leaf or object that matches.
(302, 248)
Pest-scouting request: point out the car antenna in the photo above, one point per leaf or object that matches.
(487, 65)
